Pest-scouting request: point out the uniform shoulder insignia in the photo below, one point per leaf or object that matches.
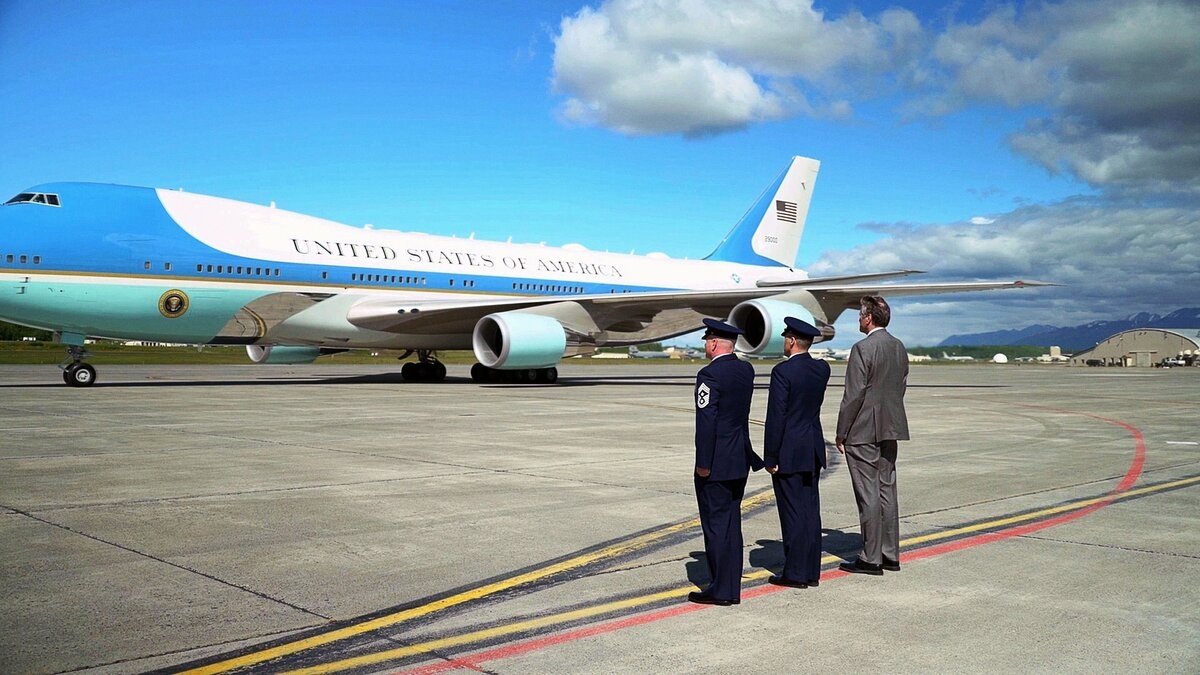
(702, 393)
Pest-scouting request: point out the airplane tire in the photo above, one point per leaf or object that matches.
(550, 375)
(79, 375)
(423, 371)
(479, 372)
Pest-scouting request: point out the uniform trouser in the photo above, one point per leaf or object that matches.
(873, 475)
(720, 503)
(799, 503)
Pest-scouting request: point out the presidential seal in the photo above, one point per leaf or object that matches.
(173, 303)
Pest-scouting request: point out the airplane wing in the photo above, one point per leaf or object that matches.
(628, 317)
(846, 297)
(624, 312)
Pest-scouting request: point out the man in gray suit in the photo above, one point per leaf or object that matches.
(870, 422)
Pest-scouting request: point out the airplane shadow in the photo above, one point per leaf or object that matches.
(682, 379)
(374, 378)
(385, 378)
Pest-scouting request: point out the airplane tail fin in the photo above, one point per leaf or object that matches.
(769, 233)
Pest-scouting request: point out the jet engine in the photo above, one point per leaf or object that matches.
(762, 319)
(277, 354)
(514, 340)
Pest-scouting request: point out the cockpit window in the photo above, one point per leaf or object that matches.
(34, 198)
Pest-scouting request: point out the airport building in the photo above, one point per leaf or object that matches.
(1143, 348)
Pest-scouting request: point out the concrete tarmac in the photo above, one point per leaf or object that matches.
(331, 518)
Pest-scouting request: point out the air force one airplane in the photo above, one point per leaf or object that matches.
(91, 260)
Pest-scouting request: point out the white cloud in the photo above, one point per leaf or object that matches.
(705, 66)
(1117, 77)
(1113, 259)
(1114, 80)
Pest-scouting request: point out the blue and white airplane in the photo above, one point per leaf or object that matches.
(90, 260)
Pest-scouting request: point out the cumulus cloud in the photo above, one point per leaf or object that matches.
(1117, 77)
(1112, 259)
(704, 66)
(1113, 81)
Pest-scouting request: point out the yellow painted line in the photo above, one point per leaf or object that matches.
(627, 546)
(630, 603)
(492, 633)
(1072, 506)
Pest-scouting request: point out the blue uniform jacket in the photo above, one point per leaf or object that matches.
(723, 391)
(793, 439)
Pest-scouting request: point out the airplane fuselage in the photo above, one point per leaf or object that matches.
(152, 264)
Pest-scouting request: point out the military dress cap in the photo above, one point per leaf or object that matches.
(721, 329)
(798, 328)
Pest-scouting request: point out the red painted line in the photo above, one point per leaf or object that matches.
(473, 661)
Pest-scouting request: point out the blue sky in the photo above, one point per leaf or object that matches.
(1057, 127)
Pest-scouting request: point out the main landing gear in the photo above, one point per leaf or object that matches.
(428, 369)
(481, 373)
(425, 369)
(76, 373)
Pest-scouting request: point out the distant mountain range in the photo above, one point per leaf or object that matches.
(1076, 338)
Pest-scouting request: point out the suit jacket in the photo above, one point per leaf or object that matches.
(872, 407)
(793, 440)
(723, 391)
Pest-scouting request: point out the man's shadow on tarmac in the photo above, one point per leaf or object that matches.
(769, 554)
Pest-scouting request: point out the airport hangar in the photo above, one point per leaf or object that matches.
(1141, 347)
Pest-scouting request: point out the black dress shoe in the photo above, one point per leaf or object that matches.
(814, 583)
(706, 599)
(860, 567)
(891, 565)
(784, 581)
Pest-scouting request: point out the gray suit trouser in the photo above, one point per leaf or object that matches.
(873, 475)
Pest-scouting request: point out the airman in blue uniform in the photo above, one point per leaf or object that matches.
(794, 452)
(724, 457)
